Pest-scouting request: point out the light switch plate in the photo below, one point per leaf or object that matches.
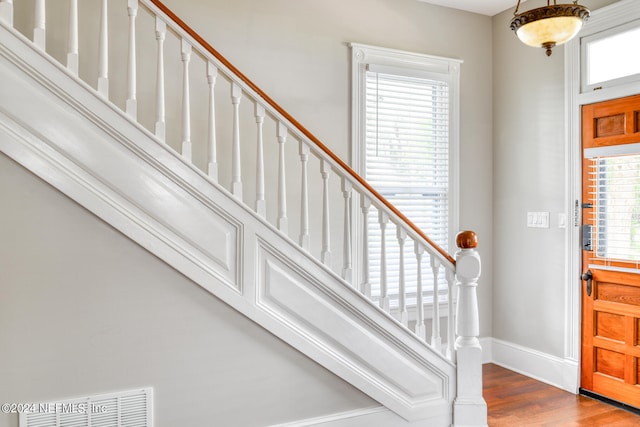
(538, 219)
(562, 220)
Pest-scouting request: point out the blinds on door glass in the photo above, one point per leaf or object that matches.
(407, 161)
(615, 191)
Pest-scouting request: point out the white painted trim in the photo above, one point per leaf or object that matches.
(313, 313)
(607, 17)
(339, 416)
(573, 198)
(612, 150)
(148, 192)
(584, 52)
(366, 417)
(614, 268)
(535, 364)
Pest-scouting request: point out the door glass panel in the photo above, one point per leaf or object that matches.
(616, 189)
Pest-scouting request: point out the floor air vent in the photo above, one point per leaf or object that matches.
(131, 408)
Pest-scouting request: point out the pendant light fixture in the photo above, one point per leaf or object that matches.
(549, 26)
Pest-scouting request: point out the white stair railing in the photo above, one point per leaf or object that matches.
(332, 208)
(103, 51)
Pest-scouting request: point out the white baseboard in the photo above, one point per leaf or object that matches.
(341, 416)
(553, 370)
(367, 417)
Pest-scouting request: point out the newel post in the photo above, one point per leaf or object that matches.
(469, 407)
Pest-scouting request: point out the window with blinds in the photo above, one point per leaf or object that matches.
(407, 161)
(615, 191)
(405, 136)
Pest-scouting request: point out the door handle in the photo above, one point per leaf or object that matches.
(588, 277)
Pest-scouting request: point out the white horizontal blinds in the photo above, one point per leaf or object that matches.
(407, 161)
(615, 189)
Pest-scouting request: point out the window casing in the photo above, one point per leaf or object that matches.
(405, 110)
(609, 57)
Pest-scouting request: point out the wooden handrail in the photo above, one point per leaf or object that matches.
(301, 128)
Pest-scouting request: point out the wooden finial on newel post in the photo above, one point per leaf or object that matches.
(469, 408)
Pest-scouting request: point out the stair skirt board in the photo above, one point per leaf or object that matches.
(60, 129)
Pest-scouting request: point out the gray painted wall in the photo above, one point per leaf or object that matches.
(84, 310)
(512, 139)
(528, 175)
(297, 53)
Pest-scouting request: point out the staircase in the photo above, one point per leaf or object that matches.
(222, 188)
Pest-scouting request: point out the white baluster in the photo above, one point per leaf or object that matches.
(402, 298)
(304, 200)
(40, 20)
(103, 51)
(469, 408)
(451, 279)
(160, 129)
(186, 107)
(283, 222)
(436, 340)
(365, 286)
(132, 103)
(261, 208)
(325, 169)
(212, 170)
(420, 326)
(236, 174)
(383, 218)
(347, 270)
(6, 11)
(72, 46)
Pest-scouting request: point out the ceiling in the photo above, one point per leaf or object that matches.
(484, 7)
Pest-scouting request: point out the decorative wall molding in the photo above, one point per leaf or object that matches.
(64, 132)
(86, 148)
(330, 320)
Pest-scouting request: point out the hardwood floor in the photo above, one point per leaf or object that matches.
(516, 400)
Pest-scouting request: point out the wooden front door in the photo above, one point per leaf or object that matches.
(611, 249)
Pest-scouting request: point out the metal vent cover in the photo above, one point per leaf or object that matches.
(131, 408)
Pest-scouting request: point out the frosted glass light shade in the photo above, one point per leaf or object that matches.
(557, 30)
(549, 26)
